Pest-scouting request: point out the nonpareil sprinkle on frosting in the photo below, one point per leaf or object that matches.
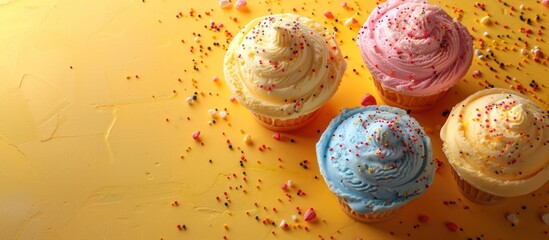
(375, 158)
(283, 65)
(498, 141)
(415, 48)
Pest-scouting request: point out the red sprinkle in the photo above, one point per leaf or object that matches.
(368, 100)
(196, 135)
(310, 215)
(328, 15)
(276, 136)
(452, 226)
(423, 218)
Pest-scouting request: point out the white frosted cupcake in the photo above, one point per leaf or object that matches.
(497, 142)
(283, 68)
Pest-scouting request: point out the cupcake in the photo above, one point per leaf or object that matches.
(415, 52)
(375, 159)
(497, 143)
(283, 68)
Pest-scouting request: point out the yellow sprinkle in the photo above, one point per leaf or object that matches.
(486, 20)
(247, 139)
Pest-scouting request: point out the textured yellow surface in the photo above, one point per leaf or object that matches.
(96, 133)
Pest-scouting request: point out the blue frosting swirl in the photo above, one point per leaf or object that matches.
(375, 158)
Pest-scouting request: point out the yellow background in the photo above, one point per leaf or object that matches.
(96, 135)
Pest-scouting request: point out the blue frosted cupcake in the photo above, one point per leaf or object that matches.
(375, 159)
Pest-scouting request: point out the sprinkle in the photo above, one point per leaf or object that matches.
(452, 226)
(224, 3)
(485, 34)
(223, 114)
(189, 100)
(215, 78)
(486, 20)
(212, 112)
(423, 218)
(545, 3)
(196, 135)
(512, 218)
(344, 4)
(248, 139)
(368, 100)
(197, 39)
(523, 51)
(240, 4)
(310, 215)
(284, 186)
(276, 136)
(294, 217)
(328, 15)
(476, 73)
(350, 22)
(545, 218)
(290, 183)
(283, 224)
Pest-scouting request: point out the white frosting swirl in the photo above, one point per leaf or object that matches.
(283, 66)
(499, 142)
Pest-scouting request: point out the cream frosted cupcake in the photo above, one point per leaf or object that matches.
(497, 142)
(283, 68)
(375, 160)
(415, 52)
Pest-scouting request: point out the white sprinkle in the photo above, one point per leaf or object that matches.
(545, 218)
(512, 218)
(224, 3)
(523, 51)
(480, 56)
(535, 50)
(521, 7)
(290, 183)
(282, 224)
(212, 112)
(294, 217)
(215, 78)
(189, 100)
(222, 114)
(486, 34)
(210, 123)
(197, 39)
(478, 52)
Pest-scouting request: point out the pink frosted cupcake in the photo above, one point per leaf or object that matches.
(415, 51)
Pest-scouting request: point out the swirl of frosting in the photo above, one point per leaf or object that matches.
(283, 66)
(499, 142)
(375, 158)
(415, 48)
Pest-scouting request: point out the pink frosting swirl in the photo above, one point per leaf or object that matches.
(415, 48)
